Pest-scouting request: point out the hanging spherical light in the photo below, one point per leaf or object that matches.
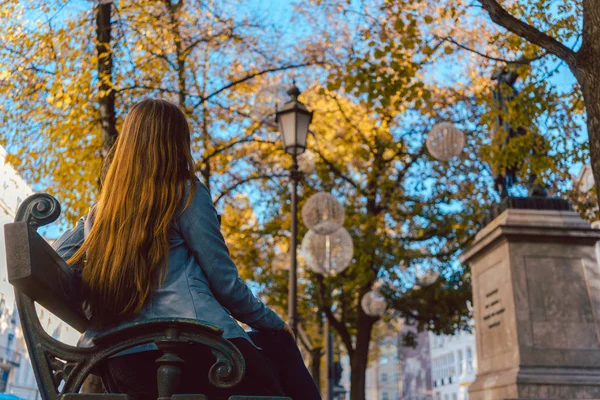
(428, 278)
(445, 141)
(373, 303)
(327, 254)
(323, 213)
(307, 162)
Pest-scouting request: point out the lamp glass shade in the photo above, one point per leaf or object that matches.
(294, 119)
(302, 129)
(287, 127)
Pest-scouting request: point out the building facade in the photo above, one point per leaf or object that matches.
(386, 372)
(416, 367)
(398, 372)
(454, 365)
(16, 372)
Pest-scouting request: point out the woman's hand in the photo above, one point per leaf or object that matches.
(289, 330)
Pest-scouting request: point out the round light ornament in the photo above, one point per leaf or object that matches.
(373, 303)
(428, 278)
(327, 254)
(307, 162)
(323, 213)
(445, 141)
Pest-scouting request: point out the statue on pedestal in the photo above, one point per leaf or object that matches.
(503, 93)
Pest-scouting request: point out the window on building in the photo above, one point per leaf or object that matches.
(460, 362)
(384, 360)
(384, 396)
(454, 396)
(469, 360)
(384, 377)
(446, 396)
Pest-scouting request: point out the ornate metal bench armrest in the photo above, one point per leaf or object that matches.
(115, 335)
(171, 336)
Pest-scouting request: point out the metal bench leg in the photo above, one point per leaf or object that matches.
(169, 370)
(259, 398)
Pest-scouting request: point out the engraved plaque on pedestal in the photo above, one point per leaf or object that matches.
(536, 295)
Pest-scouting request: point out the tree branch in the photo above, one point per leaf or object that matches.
(235, 143)
(250, 77)
(337, 325)
(337, 171)
(503, 18)
(521, 61)
(305, 340)
(244, 181)
(352, 124)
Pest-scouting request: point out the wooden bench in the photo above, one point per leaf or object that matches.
(40, 275)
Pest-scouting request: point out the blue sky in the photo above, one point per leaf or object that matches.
(280, 12)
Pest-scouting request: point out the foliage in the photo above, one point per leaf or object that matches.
(550, 104)
(214, 62)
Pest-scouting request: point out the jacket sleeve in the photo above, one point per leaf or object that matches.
(200, 229)
(70, 241)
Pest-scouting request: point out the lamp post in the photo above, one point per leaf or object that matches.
(328, 250)
(294, 119)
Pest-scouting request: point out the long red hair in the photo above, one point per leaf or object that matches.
(125, 253)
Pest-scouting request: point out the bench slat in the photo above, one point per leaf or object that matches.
(94, 396)
(35, 269)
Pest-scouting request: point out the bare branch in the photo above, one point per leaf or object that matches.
(252, 76)
(337, 171)
(521, 61)
(305, 339)
(351, 123)
(325, 306)
(244, 181)
(159, 89)
(235, 143)
(503, 18)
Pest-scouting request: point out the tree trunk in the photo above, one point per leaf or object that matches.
(315, 366)
(585, 69)
(360, 357)
(105, 70)
(591, 94)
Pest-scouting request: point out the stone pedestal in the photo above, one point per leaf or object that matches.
(536, 299)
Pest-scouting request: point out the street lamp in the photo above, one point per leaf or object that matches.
(294, 119)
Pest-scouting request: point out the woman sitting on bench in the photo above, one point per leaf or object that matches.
(151, 247)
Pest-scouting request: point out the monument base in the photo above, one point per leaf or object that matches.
(537, 383)
(536, 302)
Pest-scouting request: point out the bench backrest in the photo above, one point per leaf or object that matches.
(40, 275)
(38, 271)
